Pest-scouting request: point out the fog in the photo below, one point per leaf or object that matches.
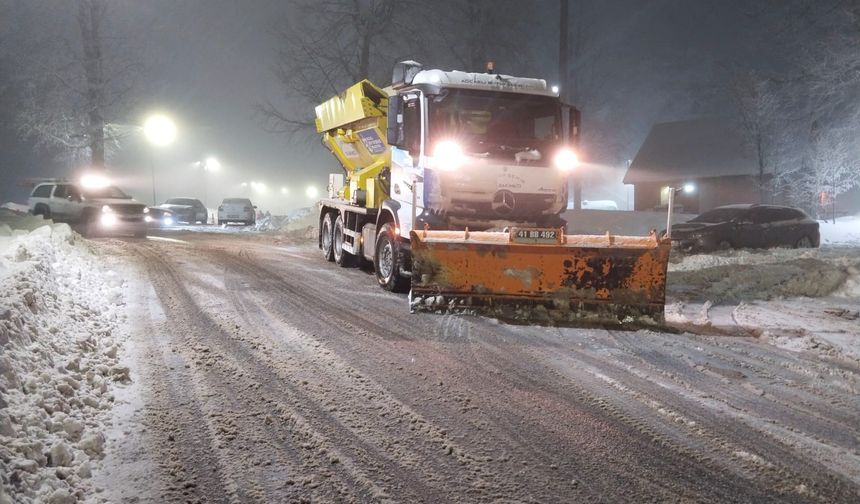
(211, 65)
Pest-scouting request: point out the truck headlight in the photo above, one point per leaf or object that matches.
(565, 160)
(448, 155)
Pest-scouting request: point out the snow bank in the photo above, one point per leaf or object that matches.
(59, 312)
(18, 220)
(300, 223)
(846, 231)
(746, 275)
(15, 207)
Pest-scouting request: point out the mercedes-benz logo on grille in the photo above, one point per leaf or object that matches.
(504, 202)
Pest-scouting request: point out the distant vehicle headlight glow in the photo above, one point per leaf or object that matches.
(565, 160)
(92, 181)
(448, 155)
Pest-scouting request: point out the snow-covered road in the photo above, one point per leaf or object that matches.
(269, 375)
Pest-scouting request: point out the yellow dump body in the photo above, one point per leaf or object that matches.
(353, 126)
(562, 280)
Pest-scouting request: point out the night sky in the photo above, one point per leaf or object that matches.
(207, 63)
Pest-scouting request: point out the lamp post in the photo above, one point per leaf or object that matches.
(688, 189)
(209, 165)
(160, 130)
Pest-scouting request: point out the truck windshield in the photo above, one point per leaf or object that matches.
(495, 122)
(109, 192)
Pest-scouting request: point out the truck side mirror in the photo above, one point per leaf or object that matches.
(395, 132)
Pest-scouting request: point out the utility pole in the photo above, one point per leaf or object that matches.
(563, 47)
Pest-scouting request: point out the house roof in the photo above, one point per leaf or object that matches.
(698, 148)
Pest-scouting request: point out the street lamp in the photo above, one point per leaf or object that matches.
(160, 130)
(311, 192)
(209, 165)
(687, 188)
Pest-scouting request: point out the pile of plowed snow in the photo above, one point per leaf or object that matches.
(745, 275)
(59, 313)
(300, 223)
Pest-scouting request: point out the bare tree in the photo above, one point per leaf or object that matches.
(353, 40)
(758, 104)
(77, 86)
(480, 31)
(831, 168)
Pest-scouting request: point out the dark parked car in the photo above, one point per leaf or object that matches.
(157, 217)
(747, 226)
(188, 210)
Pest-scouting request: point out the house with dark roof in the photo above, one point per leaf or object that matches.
(710, 153)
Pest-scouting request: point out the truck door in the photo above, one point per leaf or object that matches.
(407, 173)
(60, 203)
(74, 206)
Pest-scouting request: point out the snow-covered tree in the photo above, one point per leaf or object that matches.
(77, 81)
(348, 40)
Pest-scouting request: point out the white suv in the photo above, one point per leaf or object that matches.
(96, 209)
(237, 210)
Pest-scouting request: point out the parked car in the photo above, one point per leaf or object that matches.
(237, 210)
(747, 226)
(158, 217)
(94, 206)
(188, 210)
(599, 205)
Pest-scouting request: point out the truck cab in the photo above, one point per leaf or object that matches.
(477, 150)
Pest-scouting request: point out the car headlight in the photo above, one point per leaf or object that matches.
(448, 155)
(146, 210)
(108, 219)
(147, 218)
(565, 160)
(168, 220)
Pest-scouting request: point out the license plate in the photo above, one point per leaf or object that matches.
(534, 235)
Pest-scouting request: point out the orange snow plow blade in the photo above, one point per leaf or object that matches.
(541, 276)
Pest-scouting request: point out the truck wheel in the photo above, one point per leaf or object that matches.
(343, 258)
(89, 224)
(42, 210)
(326, 237)
(388, 260)
(804, 242)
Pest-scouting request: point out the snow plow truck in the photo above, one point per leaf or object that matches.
(453, 185)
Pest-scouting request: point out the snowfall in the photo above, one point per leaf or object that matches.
(62, 319)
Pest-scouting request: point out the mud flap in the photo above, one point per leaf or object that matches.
(540, 276)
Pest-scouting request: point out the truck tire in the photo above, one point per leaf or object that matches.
(341, 257)
(388, 260)
(89, 224)
(327, 237)
(42, 210)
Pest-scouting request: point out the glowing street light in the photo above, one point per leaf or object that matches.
(284, 190)
(688, 188)
(159, 130)
(311, 192)
(211, 164)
